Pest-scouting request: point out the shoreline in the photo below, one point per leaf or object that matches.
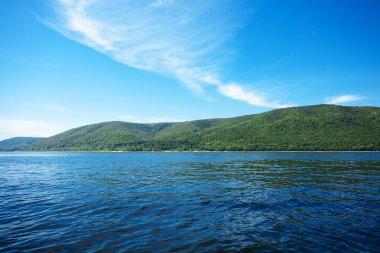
(263, 151)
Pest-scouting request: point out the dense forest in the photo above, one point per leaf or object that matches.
(307, 128)
(18, 142)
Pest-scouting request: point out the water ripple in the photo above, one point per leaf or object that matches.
(189, 202)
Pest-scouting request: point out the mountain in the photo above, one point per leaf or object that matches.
(318, 127)
(18, 142)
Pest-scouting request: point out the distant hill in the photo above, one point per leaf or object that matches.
(319, 127)
(18, 142)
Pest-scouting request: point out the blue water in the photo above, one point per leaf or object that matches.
(189, 202)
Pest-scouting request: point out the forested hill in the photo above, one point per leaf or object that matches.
(18, 142)
(319, 127)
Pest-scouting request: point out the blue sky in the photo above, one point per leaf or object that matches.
(69, 63)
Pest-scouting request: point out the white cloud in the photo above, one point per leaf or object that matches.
(179, 39)
(27, 128)
(238, 92)
(343, 99)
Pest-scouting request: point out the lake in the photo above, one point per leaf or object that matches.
(190, 202)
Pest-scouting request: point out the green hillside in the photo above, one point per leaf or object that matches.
(18, 142)
(320, 127)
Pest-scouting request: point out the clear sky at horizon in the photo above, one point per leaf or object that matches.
(68, 63)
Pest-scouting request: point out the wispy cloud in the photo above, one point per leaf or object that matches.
(28, 128)
(343, 99)
(184, 40)
(253, 98)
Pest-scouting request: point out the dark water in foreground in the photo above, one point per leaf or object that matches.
(190, 202)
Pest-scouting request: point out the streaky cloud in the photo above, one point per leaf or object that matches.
(343, 99)
(253, 98)
(184, 40)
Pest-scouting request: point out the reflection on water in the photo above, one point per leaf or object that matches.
(190, 202)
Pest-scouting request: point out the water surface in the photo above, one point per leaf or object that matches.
(189, 202)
